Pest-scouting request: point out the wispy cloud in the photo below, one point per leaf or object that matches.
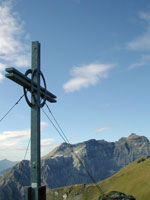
(86, 75)
(145, 16)
(142, 42)
(15, 143)
(2, 68)
(103, 128)
(78, 1)
(47, 142)
(47, 145)
(13, 139)
(13, 48)
(144, 60)
(43, 125)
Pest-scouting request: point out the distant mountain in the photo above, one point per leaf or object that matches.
(61, 167)
(6, 164)
(133, 179)
(3, 172)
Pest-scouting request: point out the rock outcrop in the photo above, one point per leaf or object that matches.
(115, 195)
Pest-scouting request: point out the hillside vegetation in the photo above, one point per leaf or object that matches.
(133, 179)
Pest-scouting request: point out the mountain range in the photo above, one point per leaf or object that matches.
(64, 165)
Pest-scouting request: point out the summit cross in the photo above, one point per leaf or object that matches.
(39, 95)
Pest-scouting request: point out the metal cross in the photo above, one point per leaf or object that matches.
(39, 95)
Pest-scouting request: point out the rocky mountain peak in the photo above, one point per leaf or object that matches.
(133, 135)
(63, 149)
(133, 138)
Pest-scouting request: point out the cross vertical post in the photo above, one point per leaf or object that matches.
(39, 95)
(35, 123)
(35, 119)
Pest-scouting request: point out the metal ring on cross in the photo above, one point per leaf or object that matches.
(45, 89)
(32, 90)
(29, 71)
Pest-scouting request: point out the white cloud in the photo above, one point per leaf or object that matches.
(13, 140)
(142, 42)
(47, 145)
(2, 68)
(13, 50)
(14, 135)
(43, 125)
(144, 16)
(104, 128)
(78, 1)
(144, 60)
(47, 142)
(15, 143)
(17, 136)
(86, 75)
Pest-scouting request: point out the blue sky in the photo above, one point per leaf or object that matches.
(95, 56)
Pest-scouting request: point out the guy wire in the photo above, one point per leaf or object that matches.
(11, 108)
(63, 136)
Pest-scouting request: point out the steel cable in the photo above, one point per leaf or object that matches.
(11, 108)
(63, 136)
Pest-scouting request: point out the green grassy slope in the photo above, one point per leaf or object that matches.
(134, 179)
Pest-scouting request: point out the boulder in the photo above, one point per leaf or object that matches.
(115, 195)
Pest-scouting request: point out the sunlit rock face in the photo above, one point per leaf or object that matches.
(129, 149)
(101, 158)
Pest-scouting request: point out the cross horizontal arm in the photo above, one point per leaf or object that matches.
(24, 81)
